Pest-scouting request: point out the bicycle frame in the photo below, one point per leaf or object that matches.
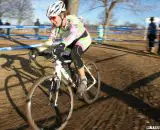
(94, 80)
(59, 72)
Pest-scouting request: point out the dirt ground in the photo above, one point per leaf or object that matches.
(130, 88)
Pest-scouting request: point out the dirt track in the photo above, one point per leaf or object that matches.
(130, 91)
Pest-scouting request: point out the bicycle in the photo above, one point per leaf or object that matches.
(53, 94)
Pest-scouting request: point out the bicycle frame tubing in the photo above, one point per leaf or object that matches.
(60, 71)
(94, 81)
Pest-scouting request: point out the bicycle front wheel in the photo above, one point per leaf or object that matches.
(42, 113)
(93, 83)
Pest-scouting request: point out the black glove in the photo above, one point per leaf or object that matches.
(59, 49)
(33, 53)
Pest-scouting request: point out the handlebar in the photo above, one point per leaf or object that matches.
(49, 54)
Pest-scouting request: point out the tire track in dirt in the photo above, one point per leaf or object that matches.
(87, 113)
(108, 114)
(102, 118)
(111, 121)
(121, 116)
(92, 119)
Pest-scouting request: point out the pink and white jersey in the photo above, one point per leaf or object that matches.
(74, 29)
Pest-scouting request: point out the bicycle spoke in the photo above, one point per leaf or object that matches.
(43, 112)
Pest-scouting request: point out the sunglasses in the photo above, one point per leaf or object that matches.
(53, 18)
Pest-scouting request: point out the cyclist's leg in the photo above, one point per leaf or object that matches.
(83, 44)
(79, 48)
(76, 57)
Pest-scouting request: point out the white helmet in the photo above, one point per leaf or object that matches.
(56, 8)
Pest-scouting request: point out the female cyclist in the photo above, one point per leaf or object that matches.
(73, 34)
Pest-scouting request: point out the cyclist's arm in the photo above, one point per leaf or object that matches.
(50, 41)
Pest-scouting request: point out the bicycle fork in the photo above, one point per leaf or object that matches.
(55, 85)
(59, 71)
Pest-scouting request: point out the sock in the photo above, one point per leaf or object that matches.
(84, 80)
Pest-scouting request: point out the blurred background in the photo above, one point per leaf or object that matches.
(127, 18)
(115, 12)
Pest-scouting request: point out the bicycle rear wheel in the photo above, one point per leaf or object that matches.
(93, 89)
(41, 112)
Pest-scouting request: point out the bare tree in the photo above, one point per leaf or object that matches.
(17, 9)
(72, 6)
(23, 10)
(111, 20)
(4, 7)
(109, 5)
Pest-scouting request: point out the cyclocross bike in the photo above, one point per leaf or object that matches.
(50, 100)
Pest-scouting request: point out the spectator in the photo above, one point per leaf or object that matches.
(37, 23)
(1, 23)
(151, 34)
(8, 29)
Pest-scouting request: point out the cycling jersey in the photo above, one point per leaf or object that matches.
(74, 30)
